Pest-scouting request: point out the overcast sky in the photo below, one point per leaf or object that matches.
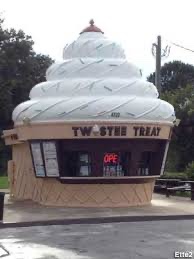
(133, 23)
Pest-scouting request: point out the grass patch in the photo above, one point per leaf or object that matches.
(4, 182)
(183, 194)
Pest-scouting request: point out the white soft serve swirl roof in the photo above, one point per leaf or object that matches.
(94, 81)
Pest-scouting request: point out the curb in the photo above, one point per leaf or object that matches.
(101, 220)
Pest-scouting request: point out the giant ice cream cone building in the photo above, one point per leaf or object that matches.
(93, 135)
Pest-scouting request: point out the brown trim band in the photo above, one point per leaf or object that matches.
(84, 130)
(104, 180)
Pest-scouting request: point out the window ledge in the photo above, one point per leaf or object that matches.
(108, 180)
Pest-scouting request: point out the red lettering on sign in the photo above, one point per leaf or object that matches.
(111, 158)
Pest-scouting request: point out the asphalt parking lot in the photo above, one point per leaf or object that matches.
(133, 240)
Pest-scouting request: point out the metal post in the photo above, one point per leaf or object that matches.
(158, 64)
(159, 53)
(192, 191)
(2, 195)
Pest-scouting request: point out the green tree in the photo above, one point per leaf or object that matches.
(177, 80)
(20, 69)
(182, 146)
(174, 75)
(190, 171)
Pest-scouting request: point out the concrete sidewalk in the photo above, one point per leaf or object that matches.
(4, 190)
(162, 207)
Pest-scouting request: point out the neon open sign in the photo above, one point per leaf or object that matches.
(111, 158)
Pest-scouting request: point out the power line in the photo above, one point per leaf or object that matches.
(180, 46)
(159, 53)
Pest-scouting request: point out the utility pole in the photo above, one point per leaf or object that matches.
(158, 64)
(159, 54)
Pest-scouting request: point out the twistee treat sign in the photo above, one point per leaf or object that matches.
(147, 131)
(117, 131)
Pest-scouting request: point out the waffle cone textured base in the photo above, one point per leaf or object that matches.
(24, 185)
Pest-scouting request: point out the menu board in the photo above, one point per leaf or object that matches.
(37, 159)
(50, 158)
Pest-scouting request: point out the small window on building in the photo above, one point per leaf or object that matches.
(144, 167)
(84, 164)
(76, 164)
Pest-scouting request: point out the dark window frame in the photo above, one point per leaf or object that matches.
(95, 152)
